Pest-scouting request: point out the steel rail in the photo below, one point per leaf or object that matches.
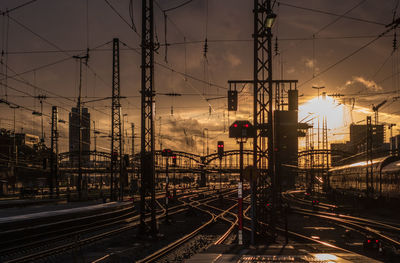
(167, 249)
(65, 247)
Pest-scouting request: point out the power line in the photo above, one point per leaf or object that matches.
(178, 6)
(23, 52)
(17, 7)
(178, 72)
(348, 56)
(332, 14)
(133, 27)
(339, 17)
(58, 48)
(58, 61)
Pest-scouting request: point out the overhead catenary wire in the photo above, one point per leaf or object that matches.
(17, 7)
(178, 72)
(332, 14)
(53, 45)
(348, 56)
(132, 26)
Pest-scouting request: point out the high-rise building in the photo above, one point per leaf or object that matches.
(74, 136)
(358, 137)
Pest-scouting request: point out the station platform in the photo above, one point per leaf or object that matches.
(294, 252)
(56, 210)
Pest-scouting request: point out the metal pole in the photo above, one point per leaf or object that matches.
(166, 191)
(240, 196)
(54, 152)
(80, 130)
(41, 120)
(133, 138)
(207, 143)
(220, 174)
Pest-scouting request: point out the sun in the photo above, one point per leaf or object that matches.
(326, 106)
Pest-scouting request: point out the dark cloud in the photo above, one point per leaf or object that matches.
(63, 23)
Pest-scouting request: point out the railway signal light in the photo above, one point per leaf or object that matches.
(174, 159)
(220, 146)
(241, 129)
(232, 100)
(166, 153)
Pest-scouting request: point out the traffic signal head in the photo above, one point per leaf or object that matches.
(220, 146)
(174, 160)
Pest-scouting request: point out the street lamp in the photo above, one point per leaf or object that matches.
(269, 22)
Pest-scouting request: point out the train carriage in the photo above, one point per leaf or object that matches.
(353, 177)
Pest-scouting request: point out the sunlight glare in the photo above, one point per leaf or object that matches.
(328, 106)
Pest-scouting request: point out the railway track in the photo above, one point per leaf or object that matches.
(383, 233)
(42, 245)
(218, 213)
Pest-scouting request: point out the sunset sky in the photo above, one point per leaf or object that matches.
(327, 43)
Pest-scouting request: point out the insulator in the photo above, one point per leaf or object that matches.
(205, 48)
(395, 42)
(276, 46)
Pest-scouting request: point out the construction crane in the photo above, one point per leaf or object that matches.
(376, 109)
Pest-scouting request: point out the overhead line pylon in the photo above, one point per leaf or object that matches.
(147, 119)
(116, 134)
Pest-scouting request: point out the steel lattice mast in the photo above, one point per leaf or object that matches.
(263, 116)
(116, 149)
(54, 151)
(147, 118)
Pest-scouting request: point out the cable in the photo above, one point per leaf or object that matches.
(348, 56)
(339, 17)
(37, 35)
(123, 19)
(18, 7)
(178, 6)
(61, 60)
(131, 15)
(176, 71)
(332, 14)
(55, 46)
(184, 43)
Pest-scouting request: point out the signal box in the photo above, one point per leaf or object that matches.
(241, 129)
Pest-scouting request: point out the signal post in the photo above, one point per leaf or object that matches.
(220, 146)
(166, 153)
(241, 131)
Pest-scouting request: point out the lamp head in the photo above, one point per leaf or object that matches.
(270, 20)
